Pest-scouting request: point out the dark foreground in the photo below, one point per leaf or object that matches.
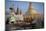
(13, 27)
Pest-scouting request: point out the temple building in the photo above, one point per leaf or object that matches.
(32, 12)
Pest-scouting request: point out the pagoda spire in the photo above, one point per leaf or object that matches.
(30, 5)
(17, 9)
(30, 8)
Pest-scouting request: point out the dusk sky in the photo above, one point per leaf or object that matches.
(24, 6)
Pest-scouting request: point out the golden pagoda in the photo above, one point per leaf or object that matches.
(31, 13)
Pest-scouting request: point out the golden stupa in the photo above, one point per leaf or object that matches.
(31, 14)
